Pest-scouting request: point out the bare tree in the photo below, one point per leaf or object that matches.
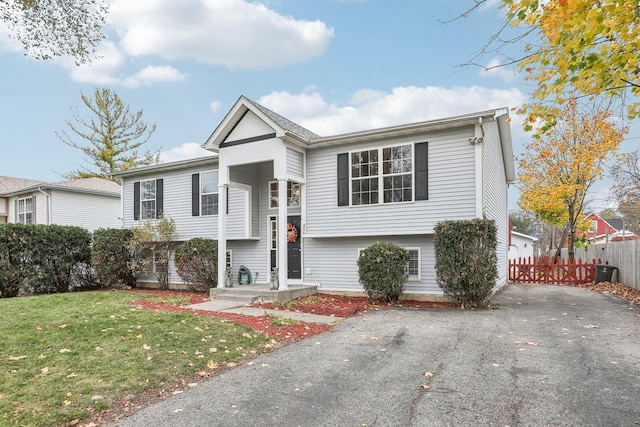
(626, 189)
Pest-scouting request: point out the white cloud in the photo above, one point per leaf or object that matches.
(215, 106)
(189, 150)
(495, 69)
(232, 33)
(370, 109)
(105, 70)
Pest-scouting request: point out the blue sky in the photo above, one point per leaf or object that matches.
(332, 66)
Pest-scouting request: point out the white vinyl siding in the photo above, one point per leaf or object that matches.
(496, 196)
(90, 211)
(451, 191)
(332, 263)
(295, 163)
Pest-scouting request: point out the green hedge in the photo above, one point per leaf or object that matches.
(382, 269)
(112, 258)
(197, 263)
(38, 259)
(466, 260)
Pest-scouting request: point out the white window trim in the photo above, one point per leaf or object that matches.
(202, 193)
(381, 175)
(25, 212)
(417, 278)
(155, 199)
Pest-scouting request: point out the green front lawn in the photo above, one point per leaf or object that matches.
(65, 356)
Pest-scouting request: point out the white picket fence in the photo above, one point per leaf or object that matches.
(623, 255)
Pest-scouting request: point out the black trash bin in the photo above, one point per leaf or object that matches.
(604, 273)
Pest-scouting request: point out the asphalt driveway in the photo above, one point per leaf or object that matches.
(546, 356)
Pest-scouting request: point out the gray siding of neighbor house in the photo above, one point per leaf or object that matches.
(496, 195)
(451, 190)
(333, 262)
(90, 211)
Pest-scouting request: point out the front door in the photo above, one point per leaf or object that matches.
(294, 250)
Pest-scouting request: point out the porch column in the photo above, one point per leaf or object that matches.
(282, 234)
(222, 234)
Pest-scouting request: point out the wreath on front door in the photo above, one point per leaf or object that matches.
(292, 233)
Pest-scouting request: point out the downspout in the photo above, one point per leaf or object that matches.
(477, 140)
(48, 205)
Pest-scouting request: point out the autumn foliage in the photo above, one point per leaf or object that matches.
(583, 48)
(557, 170)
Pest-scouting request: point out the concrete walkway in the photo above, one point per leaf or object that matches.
(546, 356)
(241, 308)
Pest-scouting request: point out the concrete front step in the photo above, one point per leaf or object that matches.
(249, 293)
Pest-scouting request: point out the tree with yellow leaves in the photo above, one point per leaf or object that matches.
(569, 49)
(557, 170)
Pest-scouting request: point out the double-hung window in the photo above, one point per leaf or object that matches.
(386, 170)
(25, 210)
(413, 266)
(209, 193)
(148, 199)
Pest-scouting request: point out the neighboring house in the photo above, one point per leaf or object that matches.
(90, 203)
(522, 245)
(278, 195)
(607, 230)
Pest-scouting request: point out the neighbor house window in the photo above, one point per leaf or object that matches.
(25, 210)
(389, 169)
(148, 199)
(293, 194)
(209, 193)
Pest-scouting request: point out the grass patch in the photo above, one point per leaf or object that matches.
(66, 356)
(278, 320)
(290, 304)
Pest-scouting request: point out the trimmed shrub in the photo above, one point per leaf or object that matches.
(112, 258)
(197, 263)
(382, 270)
(41, 259)
(466, 260)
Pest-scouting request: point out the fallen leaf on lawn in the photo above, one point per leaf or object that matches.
(74, 422)
(139, 336)
(62, 326)
(41, 356)
(44, 371)
(425, 386)
(67, 402)
(146, 347)
(203, 374)
(213, 350)
(149, 357)
(99, 348)
(38, 328)
(427, 374)
(64, 350)
(232, 364)
(192, 384)
(212, 365)
(16, 357)
(591, 327)
(73, 375)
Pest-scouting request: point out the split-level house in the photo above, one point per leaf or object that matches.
(90, 203)
(277, 195)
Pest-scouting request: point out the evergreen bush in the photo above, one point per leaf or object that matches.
(382, 269)
(112, 258)
(466, 260)
(197, 263)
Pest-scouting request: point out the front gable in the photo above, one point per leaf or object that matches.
(250, 128)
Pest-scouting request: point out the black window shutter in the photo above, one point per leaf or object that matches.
(195, 194)
(159, 198)
(343, 179)
(227, 201)
(422, 171)
(136, 200)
